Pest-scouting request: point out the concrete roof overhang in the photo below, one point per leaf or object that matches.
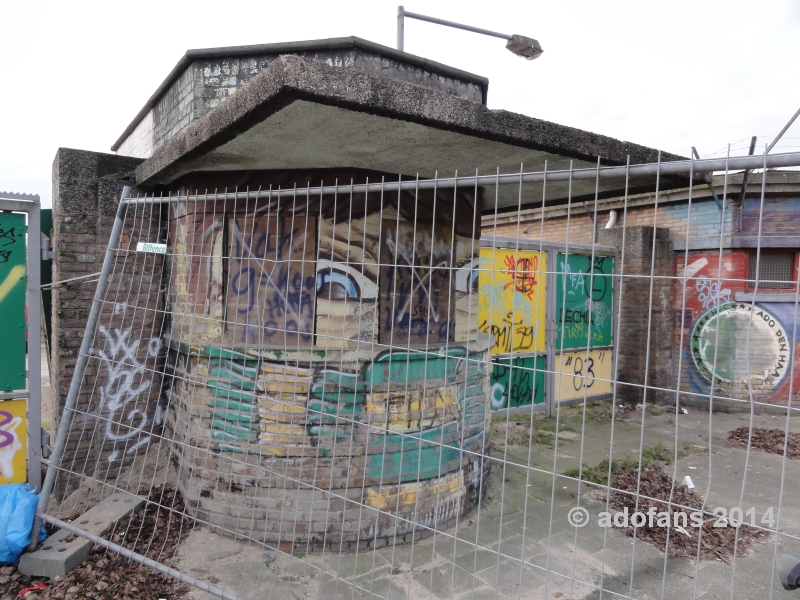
(299, 114)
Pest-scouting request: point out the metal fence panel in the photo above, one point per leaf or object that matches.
(301, 383)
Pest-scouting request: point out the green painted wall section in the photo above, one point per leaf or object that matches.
(584, 301)
(12, 300)
(517, 381)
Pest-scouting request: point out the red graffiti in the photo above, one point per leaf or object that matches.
(522, 272)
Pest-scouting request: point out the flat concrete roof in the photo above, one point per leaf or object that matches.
(295, 48)
(300, 114)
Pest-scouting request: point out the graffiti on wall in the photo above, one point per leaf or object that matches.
(287, 409)
(512, 299)
(416, 284)
(466, 280)
(347, 282)
(13, 441)
(581, 374)
(517, 381)
(584, 301)
(271, 281)
(124, 401)
(12, 300)
(738, 347)
(740, 343)
(196, 284)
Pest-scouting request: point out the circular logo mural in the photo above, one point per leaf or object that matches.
(719, 345)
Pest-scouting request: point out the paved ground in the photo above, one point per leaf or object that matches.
(520, 544)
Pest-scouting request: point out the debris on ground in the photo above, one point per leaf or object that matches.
(717, 543)
(155, 531)
(768, 440)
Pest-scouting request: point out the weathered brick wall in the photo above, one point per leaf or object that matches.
(643, 298)
(86, 191)
(575, 225)
(335, 456)
(577, 229)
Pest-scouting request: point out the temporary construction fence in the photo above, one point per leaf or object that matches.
(314, 371)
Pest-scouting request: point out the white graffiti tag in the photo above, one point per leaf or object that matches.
(599, 310)
(124, 382)
(709, 294)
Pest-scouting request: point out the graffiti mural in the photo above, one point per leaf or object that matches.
(271, 281)
(416, 302)
(13, 441)
(721, 338)
(196, 284)
(718, 330)
(512, 299)
(584, 301)
(581, 374)
(412, 424)
(347, 283)
(343, 400)
(12, 300)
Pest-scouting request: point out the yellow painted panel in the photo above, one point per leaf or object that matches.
(13, 441)
(511, 299)
(577, 374)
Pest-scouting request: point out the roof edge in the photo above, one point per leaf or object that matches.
(289, 47)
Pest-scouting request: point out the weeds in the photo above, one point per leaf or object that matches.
(655, 456)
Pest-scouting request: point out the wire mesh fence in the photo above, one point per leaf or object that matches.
(546, 384)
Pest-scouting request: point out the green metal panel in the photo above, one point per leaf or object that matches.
(517, 381)
(13, 280)
(581, 278)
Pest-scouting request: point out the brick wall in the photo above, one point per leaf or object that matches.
(702, 219)
(86, 191)
(642, 299)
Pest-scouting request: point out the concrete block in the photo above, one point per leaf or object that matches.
(64, 551)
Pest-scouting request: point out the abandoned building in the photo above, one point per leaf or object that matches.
(256, 382)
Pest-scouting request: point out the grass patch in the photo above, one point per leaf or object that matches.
(597, 474)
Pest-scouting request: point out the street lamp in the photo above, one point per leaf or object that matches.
(527, 48)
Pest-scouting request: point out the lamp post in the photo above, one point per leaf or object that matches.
(527, 48)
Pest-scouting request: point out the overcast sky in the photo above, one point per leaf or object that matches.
(669, 75)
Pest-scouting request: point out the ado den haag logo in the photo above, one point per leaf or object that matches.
(721, 337)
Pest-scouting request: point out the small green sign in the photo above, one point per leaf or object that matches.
(12, 300)
(583, 301)
(517, 381)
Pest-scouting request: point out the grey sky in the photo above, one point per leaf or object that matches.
(668, 75)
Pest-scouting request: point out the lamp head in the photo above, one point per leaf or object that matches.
(527, 48)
